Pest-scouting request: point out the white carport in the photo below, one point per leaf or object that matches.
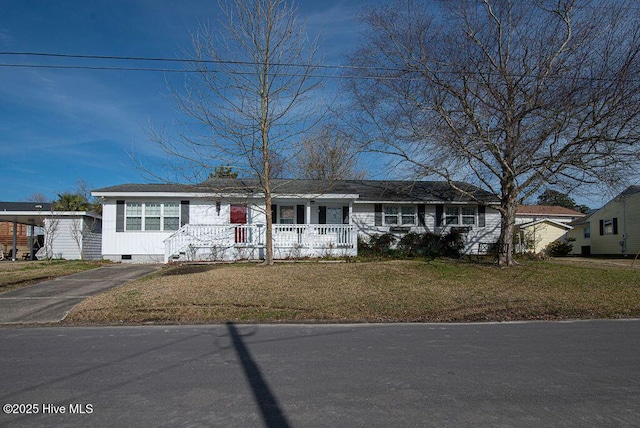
(29, 213)
(40, 215)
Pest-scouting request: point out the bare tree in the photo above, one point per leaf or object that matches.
(247, 98)
(77, 228)
(511, 95)
(50, 226)
(329, 155)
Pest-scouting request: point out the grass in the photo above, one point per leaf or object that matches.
(22, 273)
(381, 291)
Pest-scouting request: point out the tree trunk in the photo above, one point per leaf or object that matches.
(508, 209)
(268, 244)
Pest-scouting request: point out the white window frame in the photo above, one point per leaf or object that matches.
(134, 210)
(396, 215)
(469, 217)
(607, 226)
(451, 216)
(460, 216)
(286, 220)
(167, 214)
(160, 212)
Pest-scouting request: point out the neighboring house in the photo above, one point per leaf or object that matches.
(536, 235)
(54, 234)
(580, 236)
(224, 219)
(539, 225)
(613, 229)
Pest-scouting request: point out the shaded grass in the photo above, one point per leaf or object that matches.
(22, 273)
(384, 291)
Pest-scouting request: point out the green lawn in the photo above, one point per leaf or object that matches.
(381, 291)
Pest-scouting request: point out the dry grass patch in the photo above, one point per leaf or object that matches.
(412, 291)
(22, 273)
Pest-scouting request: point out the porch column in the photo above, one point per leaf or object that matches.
(354, 232)
(15, 240)
(350, 212)
(307, 235)
(32, 229)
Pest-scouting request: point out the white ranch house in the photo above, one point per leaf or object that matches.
(224, 219)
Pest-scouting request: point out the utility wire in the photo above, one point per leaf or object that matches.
(188, 60)
(401, 73)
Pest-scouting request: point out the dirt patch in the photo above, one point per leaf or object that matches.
(628, 263)
(187, 269)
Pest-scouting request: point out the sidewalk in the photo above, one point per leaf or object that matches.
(51, 301)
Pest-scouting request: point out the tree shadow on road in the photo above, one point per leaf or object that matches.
(272, 414)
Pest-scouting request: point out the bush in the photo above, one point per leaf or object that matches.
(413, 244)
(559, 249)
(376, 244)
(453, 244)
(410, 245)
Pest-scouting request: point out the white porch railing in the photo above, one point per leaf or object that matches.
(232, 241)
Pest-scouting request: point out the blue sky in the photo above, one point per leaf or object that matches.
(58, 126)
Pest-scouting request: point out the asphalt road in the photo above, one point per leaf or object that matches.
(50, 301)
(584, 373)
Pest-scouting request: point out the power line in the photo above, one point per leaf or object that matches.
(175, 70)
(402, 73)
(190, 61)
(186, 60)
(88, 67)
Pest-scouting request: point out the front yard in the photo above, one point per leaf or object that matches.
(381, 291)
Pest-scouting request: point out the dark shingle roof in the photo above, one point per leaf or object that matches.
(25, 206)
(631, 190)
(368, 190)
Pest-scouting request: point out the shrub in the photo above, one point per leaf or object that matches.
(382, 243)
(410, 244)
(453, 244)
(376, 244)
(413, 244)
(559, 249)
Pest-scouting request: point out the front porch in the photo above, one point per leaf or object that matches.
(199, 242)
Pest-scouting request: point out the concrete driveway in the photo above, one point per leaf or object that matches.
(51, 301)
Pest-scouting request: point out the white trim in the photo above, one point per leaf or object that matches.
(181, 195)
(418, 202)
(341, 196)
(545, 220)
(243, 195)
